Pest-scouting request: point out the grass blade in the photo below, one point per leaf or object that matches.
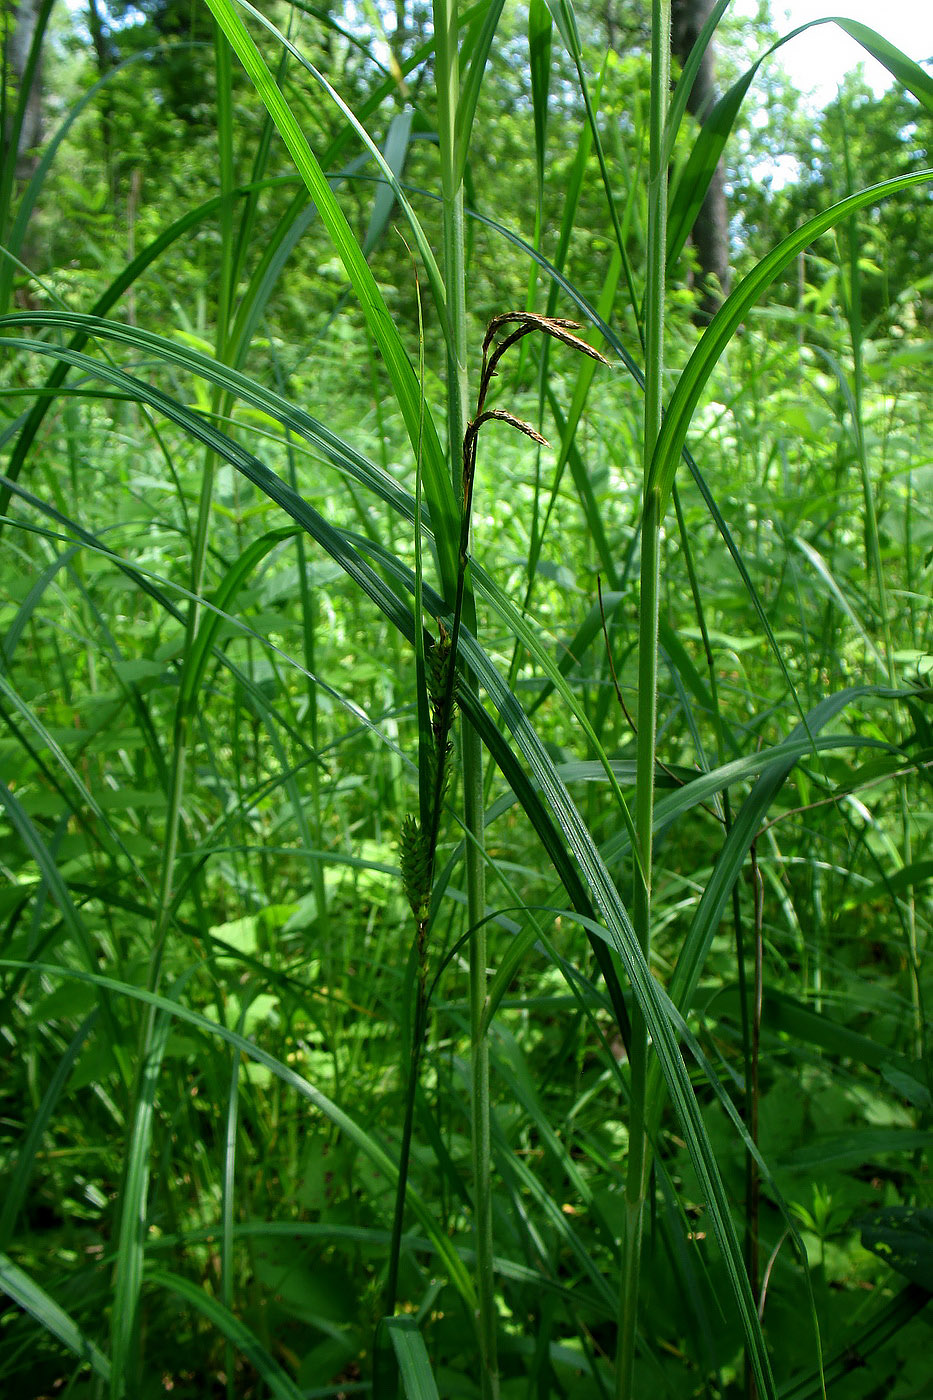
(422, 433)
(733, 311)
(228, 1325)
(32, 1298)
(412, 1356)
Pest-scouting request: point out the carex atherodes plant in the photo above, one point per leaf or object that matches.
(437, 684)
(466, 767)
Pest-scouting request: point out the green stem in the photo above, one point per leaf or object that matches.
(638, 1168)
(448, 93)
(411, 1090)
(183, 715)
(876, 566)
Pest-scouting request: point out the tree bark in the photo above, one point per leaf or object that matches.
(710, 235)
(22, 20)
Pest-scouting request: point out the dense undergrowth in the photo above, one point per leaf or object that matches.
(655, 695)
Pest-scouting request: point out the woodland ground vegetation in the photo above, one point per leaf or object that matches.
(465, 768)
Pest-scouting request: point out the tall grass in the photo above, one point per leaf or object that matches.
(564, 1048)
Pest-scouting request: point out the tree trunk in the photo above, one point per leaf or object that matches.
(710, 235)
(22, 20)
(106, 57)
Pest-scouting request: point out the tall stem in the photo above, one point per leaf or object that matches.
(639, 1155)
(448, 92)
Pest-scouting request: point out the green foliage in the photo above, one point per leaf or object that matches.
(278, 1117)
(879, 137)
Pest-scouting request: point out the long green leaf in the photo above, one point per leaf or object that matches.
(475, 51)
(32, 1298)
(341, 1120)
(688, 193)
(420, 426)
(873, 1335)
(412, 1356)
(229, 1325)
(196, 662)
(730, 315)
(747, 822)
(125, 1322)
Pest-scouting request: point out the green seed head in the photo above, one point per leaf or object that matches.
(415, 862)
